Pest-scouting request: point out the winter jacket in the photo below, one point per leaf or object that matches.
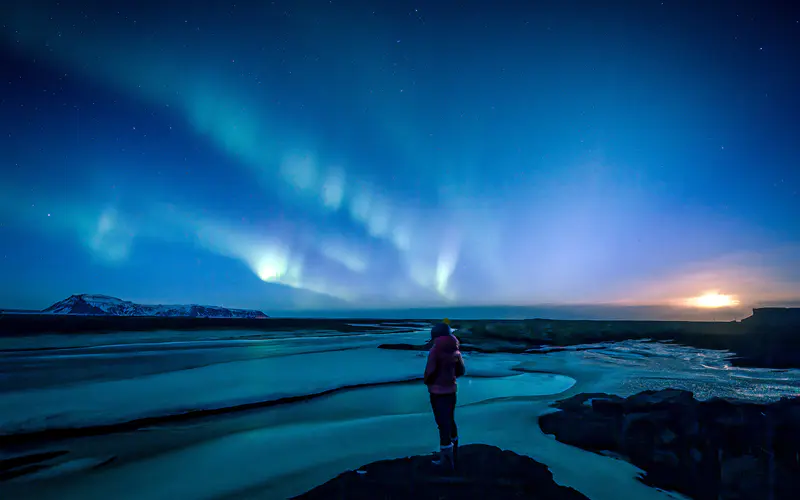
(445, 364)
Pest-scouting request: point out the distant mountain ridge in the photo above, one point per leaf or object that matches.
(103, 305)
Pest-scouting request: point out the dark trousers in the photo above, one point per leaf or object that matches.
(444, 411)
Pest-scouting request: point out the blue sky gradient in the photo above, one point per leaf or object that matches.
(349, 155)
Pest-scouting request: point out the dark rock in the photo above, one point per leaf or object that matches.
(774, 317)
(583, 401)
(651, 400)
(707, 450)
(666, 458)
(591, 434)
(484, 472)
(608, 406)
(638, 437)
(740, 477)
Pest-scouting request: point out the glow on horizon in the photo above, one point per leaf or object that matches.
(713, 300)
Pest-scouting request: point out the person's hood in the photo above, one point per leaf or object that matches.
(440, 330)
(446, 343)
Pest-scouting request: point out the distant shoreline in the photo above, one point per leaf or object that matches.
(768, 338)
(18, 323)
(15, 323)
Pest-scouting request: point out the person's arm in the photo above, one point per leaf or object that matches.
(430, 367)
(461, 369)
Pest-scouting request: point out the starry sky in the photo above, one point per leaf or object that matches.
(312, 155)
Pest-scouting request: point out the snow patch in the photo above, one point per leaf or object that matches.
(104, 305)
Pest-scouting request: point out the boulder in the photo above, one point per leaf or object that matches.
(653, 400)
(608, 405)
(741, 477)
(713, 449)
(584, 401)
(484, 472)
(593, 434)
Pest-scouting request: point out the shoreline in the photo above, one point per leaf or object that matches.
(21, 324)
(765, 339)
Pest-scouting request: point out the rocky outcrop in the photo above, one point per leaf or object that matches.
(484, 472)
(715, 449)
(780, 317)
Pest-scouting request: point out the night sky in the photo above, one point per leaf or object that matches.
(356, 154)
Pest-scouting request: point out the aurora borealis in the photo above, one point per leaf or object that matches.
(302, 155)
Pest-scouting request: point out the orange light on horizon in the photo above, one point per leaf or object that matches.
(713, 300)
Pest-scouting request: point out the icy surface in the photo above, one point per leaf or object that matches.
(632, 366)
(239, 465)
(215, 386)
(84, 380)
(317, 440)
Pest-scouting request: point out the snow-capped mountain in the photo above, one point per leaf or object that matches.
(103, 305)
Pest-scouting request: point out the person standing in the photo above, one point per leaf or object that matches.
(445, 364)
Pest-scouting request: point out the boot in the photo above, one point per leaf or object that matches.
(446, 460)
